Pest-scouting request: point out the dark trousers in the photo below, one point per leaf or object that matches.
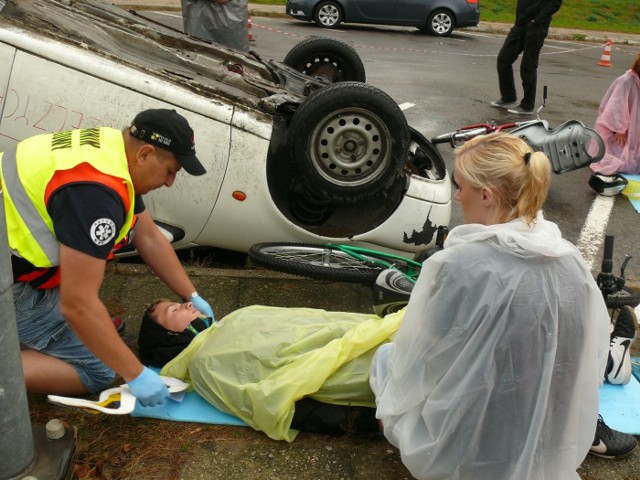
(527, 40)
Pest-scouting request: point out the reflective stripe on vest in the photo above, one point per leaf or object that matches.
(27, 211)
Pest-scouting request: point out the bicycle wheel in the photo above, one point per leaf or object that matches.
(626, 296)
(317, 261)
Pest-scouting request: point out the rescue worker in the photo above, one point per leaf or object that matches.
(72, 199)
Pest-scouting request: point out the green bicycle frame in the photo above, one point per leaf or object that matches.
(411, 268)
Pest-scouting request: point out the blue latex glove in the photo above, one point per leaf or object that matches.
(149, 388)
(202, 305)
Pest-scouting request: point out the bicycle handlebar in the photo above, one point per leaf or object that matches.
(463, 135)
(471, 131)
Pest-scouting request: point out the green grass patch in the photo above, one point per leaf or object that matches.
(611, 15)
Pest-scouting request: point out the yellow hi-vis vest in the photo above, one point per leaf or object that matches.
(28, 171)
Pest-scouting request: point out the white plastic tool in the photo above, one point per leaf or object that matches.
(122, 398)
(117, 401)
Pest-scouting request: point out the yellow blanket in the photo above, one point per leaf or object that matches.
(257, 361)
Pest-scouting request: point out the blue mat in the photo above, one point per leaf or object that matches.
(193, 408)
(620, 404)
(632, 191)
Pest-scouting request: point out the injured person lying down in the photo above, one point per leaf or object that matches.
(280, 370)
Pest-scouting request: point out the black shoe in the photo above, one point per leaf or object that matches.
(610, 443)
(619, 369)
(504, 103)
(520, 110)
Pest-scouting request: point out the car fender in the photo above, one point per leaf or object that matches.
(426, 199)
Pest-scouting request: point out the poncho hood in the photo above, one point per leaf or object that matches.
(540, 238)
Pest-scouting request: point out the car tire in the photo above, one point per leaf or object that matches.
(329, 58)
(328, 15)
(440, 23)
(349, 142)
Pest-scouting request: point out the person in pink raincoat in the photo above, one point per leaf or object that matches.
(618, 123)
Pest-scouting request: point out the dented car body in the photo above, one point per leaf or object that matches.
(279, 166)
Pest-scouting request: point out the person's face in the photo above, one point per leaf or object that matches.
(475, 202)
(175, 316)
(152, 168)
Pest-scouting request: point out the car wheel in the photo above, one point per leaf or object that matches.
(349, 142)
(440, 23)
(328, 15)
(332, 59)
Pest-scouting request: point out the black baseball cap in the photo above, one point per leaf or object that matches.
(169, 130)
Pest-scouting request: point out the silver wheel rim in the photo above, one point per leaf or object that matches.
(441, 23)
(328, 15)
(351, 147)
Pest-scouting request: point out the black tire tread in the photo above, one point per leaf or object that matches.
(627, 296)
(353, 68)
(257, 254)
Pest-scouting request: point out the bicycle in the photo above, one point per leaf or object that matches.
(329, 261)
(351, 263)
(337, 261)
(566, 146)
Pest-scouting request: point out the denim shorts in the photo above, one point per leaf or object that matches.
(42, 327)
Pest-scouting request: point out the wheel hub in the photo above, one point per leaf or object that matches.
(350, 147)
(328, 16)
(323, 67)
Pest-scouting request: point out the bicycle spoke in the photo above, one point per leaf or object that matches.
(324, 258)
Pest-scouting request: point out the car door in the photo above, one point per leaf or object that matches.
(63, 98)
(374, 11)
(413, 11)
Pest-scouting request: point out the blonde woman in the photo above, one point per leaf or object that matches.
(495, 370)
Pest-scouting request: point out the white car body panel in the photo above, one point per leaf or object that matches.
(52, 85)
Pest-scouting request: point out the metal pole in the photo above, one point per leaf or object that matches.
(17, 451)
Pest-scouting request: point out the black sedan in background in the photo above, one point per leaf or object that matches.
(437, 17)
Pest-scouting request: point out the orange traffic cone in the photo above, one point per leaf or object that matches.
(251, 39)
(605, 59)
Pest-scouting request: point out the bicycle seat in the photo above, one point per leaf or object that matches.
(567, 145)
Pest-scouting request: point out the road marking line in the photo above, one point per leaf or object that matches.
(595, 225)
(406, 106)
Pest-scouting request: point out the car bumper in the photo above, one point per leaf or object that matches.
(470, 18)
(298, 10)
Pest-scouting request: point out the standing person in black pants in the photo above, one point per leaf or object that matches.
(533, 18)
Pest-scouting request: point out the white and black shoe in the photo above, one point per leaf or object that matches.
(504, 103)
(610, 443)
(619, 368)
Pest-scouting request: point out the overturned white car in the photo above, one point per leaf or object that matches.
(301, 150)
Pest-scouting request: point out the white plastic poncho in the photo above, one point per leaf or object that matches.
(494, 372)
